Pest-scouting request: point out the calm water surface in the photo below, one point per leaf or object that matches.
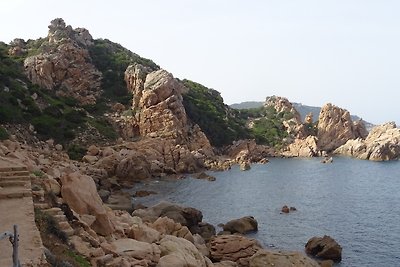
(356, 202)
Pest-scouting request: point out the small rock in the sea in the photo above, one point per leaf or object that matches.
(324, 247)
(292, 209)
(204, 176)
(244, 166)
(285, 209)
(327, 160)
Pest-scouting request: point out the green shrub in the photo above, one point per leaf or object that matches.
(75, 116)
(104, 128)
(81, 261)
(3, 134)
(76, 152)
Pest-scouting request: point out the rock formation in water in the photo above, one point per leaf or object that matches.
(382, 143)
(335, 128)
(64, 64)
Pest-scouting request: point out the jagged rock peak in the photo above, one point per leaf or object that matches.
(335, 127)
(292, 119)
(64, 64)
(59, 31)
(282, 104)
(158, 107)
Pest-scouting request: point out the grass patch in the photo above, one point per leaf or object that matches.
(4, 134)
(104, 128)
(81, 261)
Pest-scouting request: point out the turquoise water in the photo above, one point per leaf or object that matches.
(354, 201)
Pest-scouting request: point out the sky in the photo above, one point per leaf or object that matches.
(346, 52)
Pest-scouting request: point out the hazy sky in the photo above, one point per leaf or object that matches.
(346, 52)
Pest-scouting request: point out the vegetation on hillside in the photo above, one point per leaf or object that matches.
(112, 59)
(206, 107)
(57, 118)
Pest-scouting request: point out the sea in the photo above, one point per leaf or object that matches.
(356, 202)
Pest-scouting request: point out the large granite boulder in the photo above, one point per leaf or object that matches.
(382, 143)
(234, 248)
(186, 216)
(64, 64)
(167, 226)
(80, 193)
(242, 225)
(179, 252)
(325, 248)
(265, 258)
(303, 148)
(335, 128)
(137, 249)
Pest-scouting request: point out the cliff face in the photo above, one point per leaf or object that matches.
(158, 107)
(335, 128)
(64, 64)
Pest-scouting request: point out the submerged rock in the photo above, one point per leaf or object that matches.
(265, 258)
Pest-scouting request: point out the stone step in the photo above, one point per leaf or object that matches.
(20, 178)
(14, 183)
(66, 227)
(60, 218)
(53, 211)
(14, 173)
(15, 192)
(12, 168)
(41, 206)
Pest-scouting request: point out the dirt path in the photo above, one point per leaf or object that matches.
(16, 207)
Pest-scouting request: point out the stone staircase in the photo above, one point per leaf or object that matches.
(14, 182)
(61, 220)
(16, 207)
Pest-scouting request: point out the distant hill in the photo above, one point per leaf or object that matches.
(302, 109)
(247, 105)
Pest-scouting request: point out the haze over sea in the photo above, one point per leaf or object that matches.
(354, 201)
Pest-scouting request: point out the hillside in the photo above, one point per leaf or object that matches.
(302, 109)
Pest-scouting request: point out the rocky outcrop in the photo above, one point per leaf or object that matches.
(292, 119)
(281, 258)
(158, 108)
(234, 248)
(64, 64)
(80, 193)
(248, 150)
(325, 248)
(184, 215)
(382, 143)
(335, 128)
(242, 225)
(303, 148)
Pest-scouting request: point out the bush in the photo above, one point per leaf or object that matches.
(76, 152)
(104, 128)
(3, 134)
